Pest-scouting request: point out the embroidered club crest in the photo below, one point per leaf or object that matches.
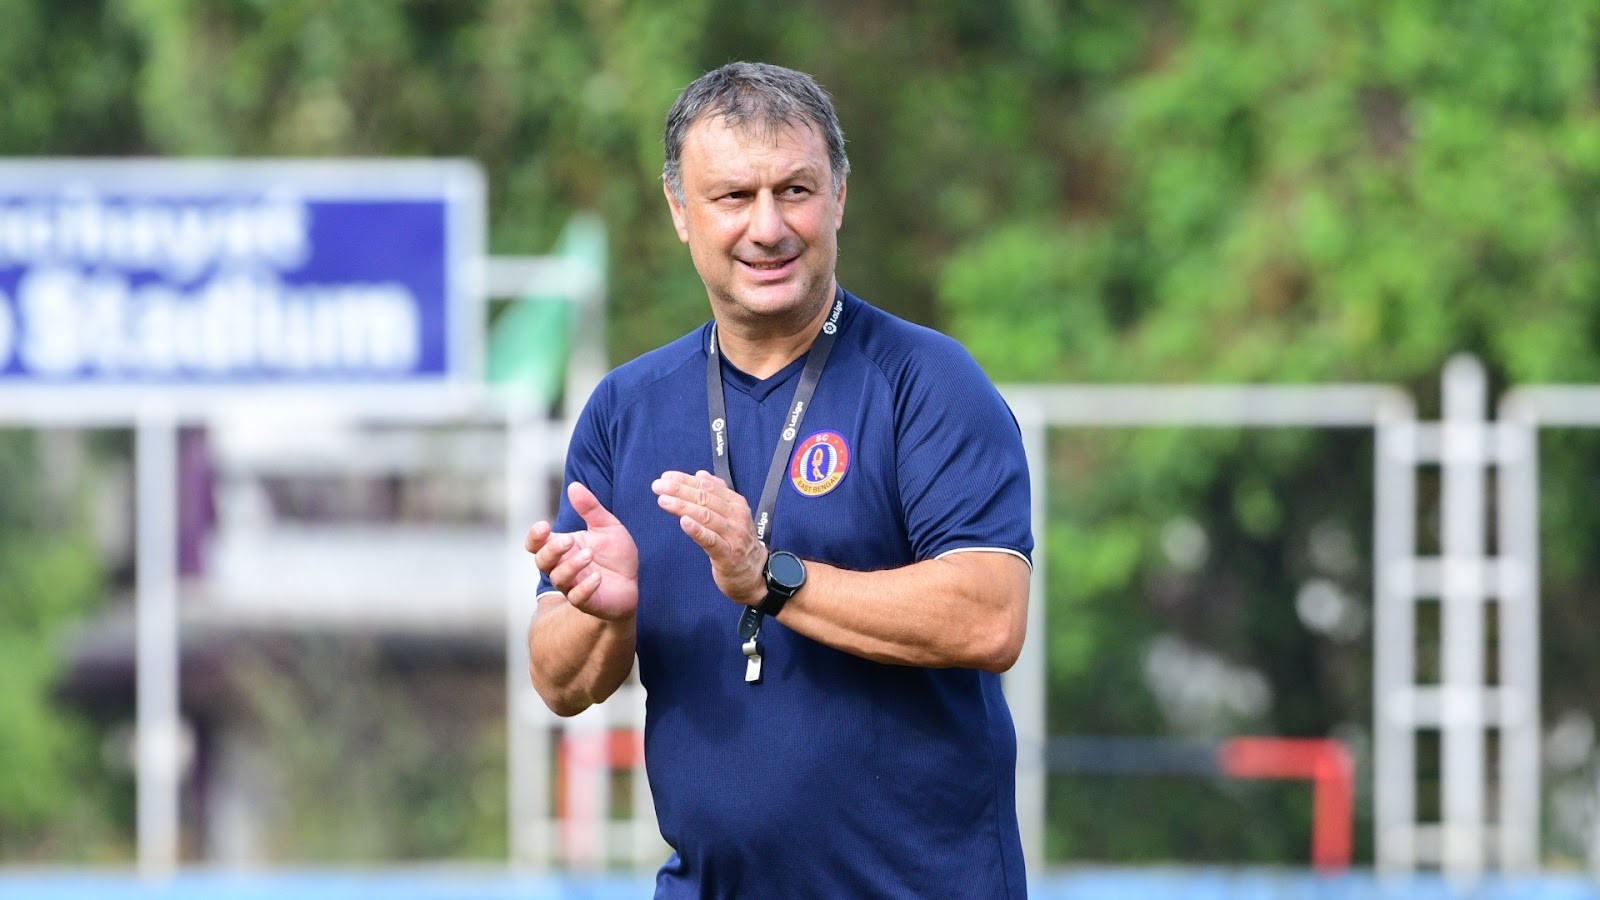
(819, 463)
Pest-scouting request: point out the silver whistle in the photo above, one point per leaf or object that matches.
(752, 662)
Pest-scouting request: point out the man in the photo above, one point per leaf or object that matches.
(809, 521)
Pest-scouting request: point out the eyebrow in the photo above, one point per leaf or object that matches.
(798, 173)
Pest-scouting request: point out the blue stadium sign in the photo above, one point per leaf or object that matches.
(219, 273)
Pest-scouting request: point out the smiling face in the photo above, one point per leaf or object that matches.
(761, 215)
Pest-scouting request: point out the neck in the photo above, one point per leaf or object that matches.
(763, 348)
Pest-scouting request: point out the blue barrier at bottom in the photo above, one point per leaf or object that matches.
(1259, 884)
(451, 884)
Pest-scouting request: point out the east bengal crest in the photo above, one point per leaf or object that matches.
(819, 463)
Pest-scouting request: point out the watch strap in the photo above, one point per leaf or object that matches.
(773, 603)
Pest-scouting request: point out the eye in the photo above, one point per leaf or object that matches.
(796, 190)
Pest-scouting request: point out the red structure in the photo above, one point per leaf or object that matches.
(617, 749)
(1326, 764)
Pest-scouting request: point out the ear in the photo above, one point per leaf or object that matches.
(838, 203)
(679, 220)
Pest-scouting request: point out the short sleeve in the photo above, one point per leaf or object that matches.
(962, 469)
(589, 462)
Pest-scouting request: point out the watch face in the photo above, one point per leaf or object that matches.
(786, 569)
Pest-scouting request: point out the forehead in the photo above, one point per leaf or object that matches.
(715, 149)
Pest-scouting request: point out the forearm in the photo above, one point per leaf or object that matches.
(575, 659)
(965, 610)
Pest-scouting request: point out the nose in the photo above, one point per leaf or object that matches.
(766, 226)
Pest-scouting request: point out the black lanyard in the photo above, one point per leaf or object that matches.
(750, 619)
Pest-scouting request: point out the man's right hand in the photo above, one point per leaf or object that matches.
(597, 569)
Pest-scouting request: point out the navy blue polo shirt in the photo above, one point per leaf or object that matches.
(836, 777)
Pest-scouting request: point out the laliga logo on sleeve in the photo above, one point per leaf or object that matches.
(819, 463)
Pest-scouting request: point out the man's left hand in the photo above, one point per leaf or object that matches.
(717, 518)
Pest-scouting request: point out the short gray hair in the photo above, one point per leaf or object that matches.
(753, 94)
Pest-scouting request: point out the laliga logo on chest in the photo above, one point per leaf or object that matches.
(717, 427)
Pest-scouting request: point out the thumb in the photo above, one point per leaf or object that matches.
(587, 505)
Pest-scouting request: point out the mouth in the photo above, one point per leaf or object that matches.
(769, 266)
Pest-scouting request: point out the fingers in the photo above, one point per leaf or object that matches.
(579, 593)
(594, 565)
(537, 535)
(570, 566)
(587, 505)
(706, 515)
(700, 534)
(701, 480)
(712, 514)
(572, 570)
(560, 556)
(548, 546)
(703, 497)
(718, 520)
(563, 555)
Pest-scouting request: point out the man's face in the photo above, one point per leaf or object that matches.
(760, 213)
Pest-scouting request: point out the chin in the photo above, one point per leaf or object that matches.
(765, 304)
(804, 299)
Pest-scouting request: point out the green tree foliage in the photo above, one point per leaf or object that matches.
(1341, 191)
(66, 71)
(1290, 192)
(1083, 190)
(56, 802)
(372, 758)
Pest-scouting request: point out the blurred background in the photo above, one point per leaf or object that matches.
(1086, 194)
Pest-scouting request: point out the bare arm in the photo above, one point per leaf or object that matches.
(575, 659)
(581, 641)
(965, 609)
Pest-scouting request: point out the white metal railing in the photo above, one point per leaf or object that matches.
(1464, 706)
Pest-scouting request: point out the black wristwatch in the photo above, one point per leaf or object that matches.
(785, 574)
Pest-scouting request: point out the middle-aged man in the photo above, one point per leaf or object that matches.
(809, 521)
